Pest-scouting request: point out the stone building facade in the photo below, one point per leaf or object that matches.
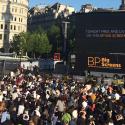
(46, 16)
(13, 20)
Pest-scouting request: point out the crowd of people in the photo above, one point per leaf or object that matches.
(30, 98)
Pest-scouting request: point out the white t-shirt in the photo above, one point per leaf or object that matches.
(61, 105)
(1, 98)
(14, 95)
(21, 109)
(5, 116)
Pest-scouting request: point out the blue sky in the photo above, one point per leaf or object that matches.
(77, 3)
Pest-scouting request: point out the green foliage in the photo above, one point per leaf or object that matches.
(54, 35)
(32, 42)
(71, 38)
(19, 42)
(40, 43)
(54, 31)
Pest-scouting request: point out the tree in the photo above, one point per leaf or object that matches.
(32, 42)
(40, 44)
(18, 42)
(54, 35)
(71, 38)
(21, 43)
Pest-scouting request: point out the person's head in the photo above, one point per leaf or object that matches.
(14, 109)
(2, 106)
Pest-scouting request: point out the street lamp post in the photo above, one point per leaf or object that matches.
(64, 28)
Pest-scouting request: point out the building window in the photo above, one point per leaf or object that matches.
(18, 28)
(0, 36)
(19, 19)
(15, 19)
(14, 27)
(12, 9)
(6, 27)
(5, 36)
(1, 27)
(15, 10)
(20, 10)
(11, 27)
(2, 17)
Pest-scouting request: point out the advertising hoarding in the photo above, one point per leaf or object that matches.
(99, 36)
